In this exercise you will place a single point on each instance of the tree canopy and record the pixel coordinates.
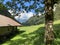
(4, 10)
(27, 5)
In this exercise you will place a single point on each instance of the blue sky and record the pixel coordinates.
(29, 3)
(6, 1)
(24, 17)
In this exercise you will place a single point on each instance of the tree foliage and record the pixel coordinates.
(2, 7)
(28, 5)
(4, 11)
(1, 1)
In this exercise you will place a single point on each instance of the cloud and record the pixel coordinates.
(24, 17)
(11, 11)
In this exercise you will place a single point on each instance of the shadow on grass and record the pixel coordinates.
(5, 38)
(40, 35)
(36, 37)
(57, 30)
(57, 34)
(39, 39)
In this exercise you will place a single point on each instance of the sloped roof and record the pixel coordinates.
(6, 21)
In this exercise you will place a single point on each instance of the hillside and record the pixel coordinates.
(57, 12)
(35, 20)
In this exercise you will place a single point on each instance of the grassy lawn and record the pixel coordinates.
(33, 35)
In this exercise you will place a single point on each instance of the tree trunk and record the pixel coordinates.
(49, 34)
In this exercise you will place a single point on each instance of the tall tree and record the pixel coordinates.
(49, 18)
(49, 35)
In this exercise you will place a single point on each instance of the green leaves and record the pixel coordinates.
(2, 7)
(1, 1)
(19, 5)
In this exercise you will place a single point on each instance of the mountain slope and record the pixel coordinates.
(57, 12)
(40, 19)
(34, 20)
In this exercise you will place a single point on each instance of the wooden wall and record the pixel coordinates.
(7, 30)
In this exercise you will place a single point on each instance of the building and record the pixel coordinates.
(7, 25)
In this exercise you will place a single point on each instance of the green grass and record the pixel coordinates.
(30, 29)
(33, 35)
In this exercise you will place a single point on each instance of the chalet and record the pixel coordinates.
(7, 25)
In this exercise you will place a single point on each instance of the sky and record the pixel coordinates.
(29, 3)
(6, 1)
(25, 16)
